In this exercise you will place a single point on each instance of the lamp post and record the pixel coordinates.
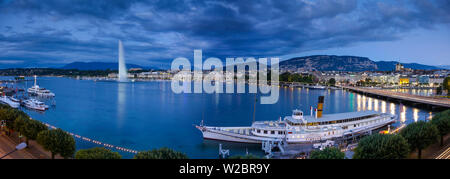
(18, 147)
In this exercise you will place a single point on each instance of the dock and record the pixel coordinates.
(433, 103)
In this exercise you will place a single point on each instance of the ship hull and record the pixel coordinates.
(217, 133)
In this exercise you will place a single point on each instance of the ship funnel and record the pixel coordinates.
(320, 106)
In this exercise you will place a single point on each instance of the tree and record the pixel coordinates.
(381, 146)
(327, 153)
(446, 83)
(97, 153)
(442, 122)
(332, 81)
(163, 153)
(19, 124)
(57, 142)
(420, 135)
(9, 115)
(32, 129)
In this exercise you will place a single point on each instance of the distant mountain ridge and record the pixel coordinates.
(344, 63)
(97, 66)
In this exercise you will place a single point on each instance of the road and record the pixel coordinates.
(442, 102)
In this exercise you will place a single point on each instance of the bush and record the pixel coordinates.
(97, 153)
(442, 122)
(57, 142)
(420, 135)
(380, 146)
(327, 153)
(163, 153)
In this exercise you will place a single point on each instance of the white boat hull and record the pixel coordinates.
(225, 134)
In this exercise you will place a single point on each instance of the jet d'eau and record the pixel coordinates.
(123, 74)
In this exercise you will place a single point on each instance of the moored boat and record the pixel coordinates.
(7, 100)
(35, 104)
(36, 90)
(298, 128)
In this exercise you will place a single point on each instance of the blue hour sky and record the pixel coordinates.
(50, 33)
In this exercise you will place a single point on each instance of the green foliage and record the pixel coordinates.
(420, 135)
(332, 81)
(446, 83)
(9, 115)
(288, 77)
(244, 157)
(20, 123)
(97, 153)
(327, 153)
(57, 142)
(380, 146)
(162, 153)
(32, 129)
(442, 122)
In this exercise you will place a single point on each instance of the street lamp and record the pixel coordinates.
(18, 147)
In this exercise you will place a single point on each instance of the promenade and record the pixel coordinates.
(416, 99)
(34, 150)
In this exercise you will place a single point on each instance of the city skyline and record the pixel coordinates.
(53, 33)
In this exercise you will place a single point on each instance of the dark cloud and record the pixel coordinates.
(157, 31)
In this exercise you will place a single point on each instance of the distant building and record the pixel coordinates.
(399, 67)
(403, 81)
(423, 79)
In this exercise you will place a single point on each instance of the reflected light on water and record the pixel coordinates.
(430, 115)
(383, 106)
(416, 114)
(364, 103)
(392, 108)
(403, 113)
(376, 104)
(369, 105)
(358, 102)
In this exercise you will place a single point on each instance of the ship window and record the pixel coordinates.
(280, 132)
(259, 131)
(265, 132)
(354, 125)
(272, 132)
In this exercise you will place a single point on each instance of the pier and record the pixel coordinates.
(433, 103)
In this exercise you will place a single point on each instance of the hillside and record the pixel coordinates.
(344, 63)
(97, 66)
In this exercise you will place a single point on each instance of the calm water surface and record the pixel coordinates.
(148, 115)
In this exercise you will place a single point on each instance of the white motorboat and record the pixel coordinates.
(7, 100)
(298, 128)
(35, 104)
(36, 90)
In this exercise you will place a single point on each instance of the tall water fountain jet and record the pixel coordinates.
(123, 76)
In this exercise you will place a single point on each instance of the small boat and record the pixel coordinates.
(35, 104)
(7, 100)
(317, 87)
(36, 90)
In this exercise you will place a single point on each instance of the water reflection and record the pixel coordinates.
(376, 104)
(392, 108)
(402, 113)
(383, 106)
(121, 103)
(415, 114)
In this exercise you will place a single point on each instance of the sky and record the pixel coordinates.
(51, 33)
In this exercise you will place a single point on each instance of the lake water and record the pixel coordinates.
(148, 115)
